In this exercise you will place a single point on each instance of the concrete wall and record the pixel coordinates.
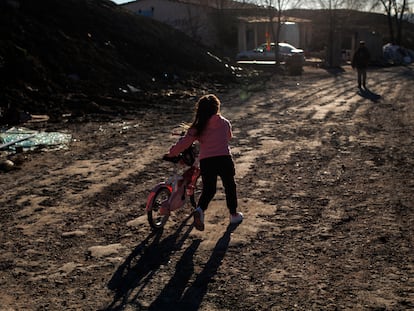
(252, 34)
(289, 32)
(188, 18)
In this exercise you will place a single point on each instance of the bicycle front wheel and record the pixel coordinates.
(155, 218)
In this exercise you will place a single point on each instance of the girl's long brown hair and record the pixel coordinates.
(206, 107)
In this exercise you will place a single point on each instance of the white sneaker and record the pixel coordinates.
(236, 218)
(199, 219)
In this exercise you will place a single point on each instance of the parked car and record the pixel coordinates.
(262, 53)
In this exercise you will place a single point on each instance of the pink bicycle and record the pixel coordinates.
(172, 194)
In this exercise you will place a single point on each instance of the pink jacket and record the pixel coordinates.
(213, 142)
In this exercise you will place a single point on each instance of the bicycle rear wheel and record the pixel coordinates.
(155, 218)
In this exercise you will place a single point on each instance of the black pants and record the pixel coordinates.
(222, 166)
(362, 76)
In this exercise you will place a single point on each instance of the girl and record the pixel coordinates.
(213, 132)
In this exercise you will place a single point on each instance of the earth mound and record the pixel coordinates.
(59, 54)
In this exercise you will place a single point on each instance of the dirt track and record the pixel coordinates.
(326, 183)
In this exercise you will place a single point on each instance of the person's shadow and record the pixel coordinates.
(368, 94)
(172, 292)
(193, 296)
(141, 265)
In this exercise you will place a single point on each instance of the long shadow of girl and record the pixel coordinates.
(192, 298)
(141, 265)
(176, 286)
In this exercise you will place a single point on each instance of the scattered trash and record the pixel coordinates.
(20, 137)
(130, 89)
(6, 165)
(133, 89)
(15, 141)
(39, 118)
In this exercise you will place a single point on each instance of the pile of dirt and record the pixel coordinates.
(54, 51)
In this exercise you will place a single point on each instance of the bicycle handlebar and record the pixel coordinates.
(188, 156)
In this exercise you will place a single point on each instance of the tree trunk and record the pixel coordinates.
(390, 27)
(399, 14)
(388, 10)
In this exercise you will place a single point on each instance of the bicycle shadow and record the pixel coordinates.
(172, 298)
(141, 265)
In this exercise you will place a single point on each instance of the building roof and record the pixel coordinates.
(223, 4)
(265, 19)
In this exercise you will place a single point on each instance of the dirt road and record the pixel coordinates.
(325, 179)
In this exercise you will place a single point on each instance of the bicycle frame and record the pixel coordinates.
(171, 194)
(180, 186)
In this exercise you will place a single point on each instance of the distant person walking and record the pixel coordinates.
(360, 61)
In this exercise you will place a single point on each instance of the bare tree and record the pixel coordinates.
(276, 19)
(342, 4)
(395, 10)
(333, 6)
